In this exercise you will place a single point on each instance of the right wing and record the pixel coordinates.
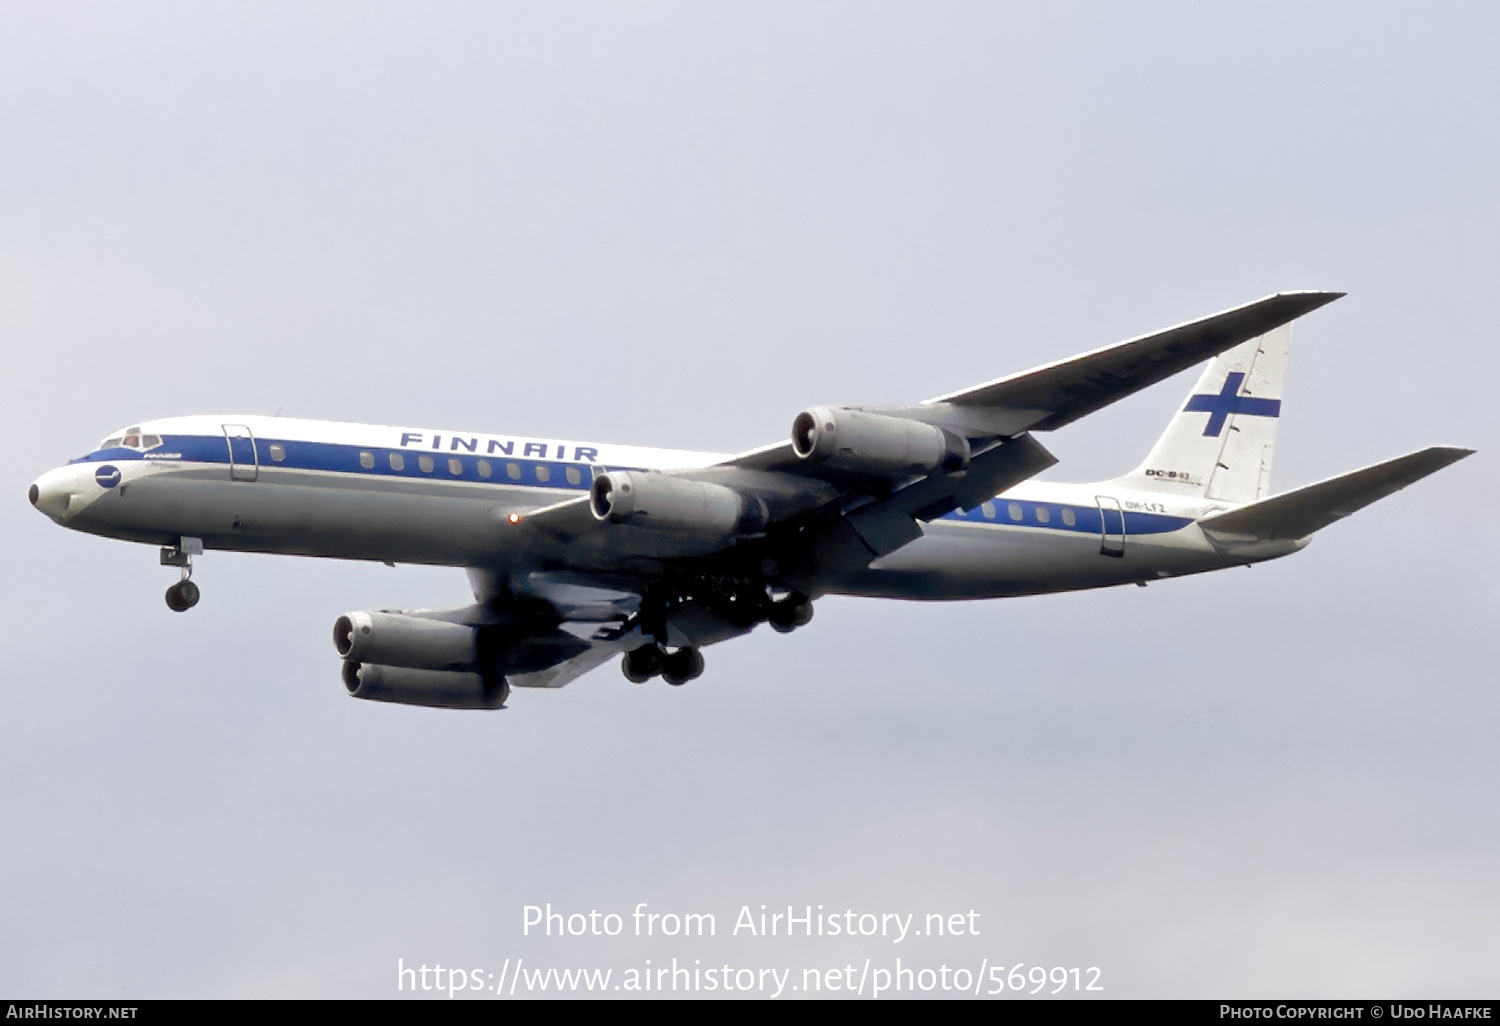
(863, 515)
(1056, 394)
(792, 520)
(1048, 397)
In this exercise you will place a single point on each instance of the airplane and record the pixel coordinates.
(578, 552)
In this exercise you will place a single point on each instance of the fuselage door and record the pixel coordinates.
(244, 461)
(1112, 526)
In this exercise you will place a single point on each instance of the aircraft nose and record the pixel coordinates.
(48, 495)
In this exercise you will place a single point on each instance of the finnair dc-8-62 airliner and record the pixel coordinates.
(578, 552)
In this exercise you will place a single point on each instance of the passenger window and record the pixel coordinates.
(398, 461)
(542, 473)
(513, 471)
(278, 453)
(1042, 515)
(989, 510)
(425, 462)
(455, 466)
(1014, 509)
(485, 470)
(574, 477)
(367, 460)
(1069, 517)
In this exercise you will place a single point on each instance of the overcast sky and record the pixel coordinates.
(677, 225)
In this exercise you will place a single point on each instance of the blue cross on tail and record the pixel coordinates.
(1228, 401)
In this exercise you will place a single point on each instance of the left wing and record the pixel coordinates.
(600, 651)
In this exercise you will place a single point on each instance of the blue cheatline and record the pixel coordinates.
(339, 458)
(1086, 519)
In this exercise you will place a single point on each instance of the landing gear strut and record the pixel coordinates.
(183, 595)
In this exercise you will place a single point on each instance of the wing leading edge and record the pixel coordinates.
(1056, 394)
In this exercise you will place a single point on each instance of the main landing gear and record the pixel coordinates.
(183, 595)
(738, 610)
(676, 668)
(796, 610)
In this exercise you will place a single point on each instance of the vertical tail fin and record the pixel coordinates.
(1219, 445)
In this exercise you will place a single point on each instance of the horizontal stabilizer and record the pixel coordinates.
(1297, 514)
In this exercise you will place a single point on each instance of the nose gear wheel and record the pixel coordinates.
(183, 595)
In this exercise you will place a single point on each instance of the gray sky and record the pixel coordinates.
(677, 225)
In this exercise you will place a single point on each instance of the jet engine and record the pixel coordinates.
(875, 444)
(395, 639)
(435, 658)
(674, 504)
(441, 689)
(411, 660)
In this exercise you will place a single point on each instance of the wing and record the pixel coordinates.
(1057, 394)
(706, 553)
(985, 429)
(602, 647)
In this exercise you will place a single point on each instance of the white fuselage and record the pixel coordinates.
(353, 491)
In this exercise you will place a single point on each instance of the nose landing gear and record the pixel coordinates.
(183, 595)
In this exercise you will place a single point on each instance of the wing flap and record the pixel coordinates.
(562, 673)
(882, 527)
(1299, 513)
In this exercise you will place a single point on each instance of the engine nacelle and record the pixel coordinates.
(672, 503)
(437, 689)
(395, 639)
(872, 443)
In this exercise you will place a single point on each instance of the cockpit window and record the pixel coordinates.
(131, 438)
